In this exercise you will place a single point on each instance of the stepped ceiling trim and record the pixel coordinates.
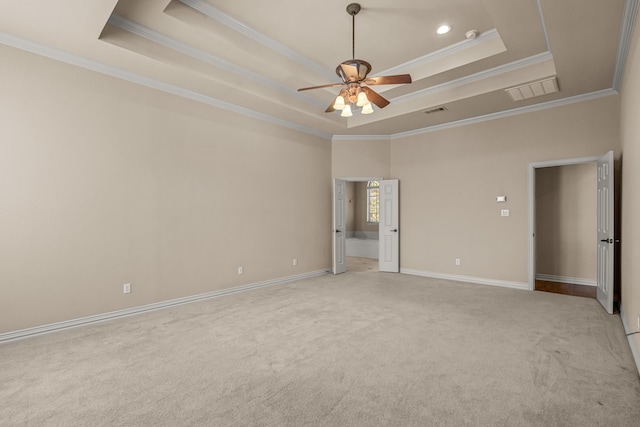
(214, 13)
(113, 71)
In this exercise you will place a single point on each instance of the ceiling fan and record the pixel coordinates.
(353, 73)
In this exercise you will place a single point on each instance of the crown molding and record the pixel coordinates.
(508, 113)
(624, 41)
(442, 53)
(110, 70)
(484, 118)
(531, 68)
(482, 75)
(216, 14)
(171, 43)
(360, 137)
(113, 71)
(544, 25)
(225, 19)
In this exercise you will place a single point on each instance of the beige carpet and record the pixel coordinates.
(358, 349)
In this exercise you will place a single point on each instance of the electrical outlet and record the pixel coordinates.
(457, 261)
(295, 261)
(126, 288)
(240, 270)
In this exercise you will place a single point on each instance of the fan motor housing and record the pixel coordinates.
(363, 68)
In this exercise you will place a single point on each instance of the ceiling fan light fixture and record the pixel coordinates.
(353, 73)
(346, 111)
(367, 108)
(362, 99)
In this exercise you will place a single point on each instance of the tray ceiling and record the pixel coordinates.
(251, 57)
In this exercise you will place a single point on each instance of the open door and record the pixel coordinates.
(605, 231)
(339, 232)
(389, 256)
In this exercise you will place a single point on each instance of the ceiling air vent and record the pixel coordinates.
(534, 89)
(436, 110)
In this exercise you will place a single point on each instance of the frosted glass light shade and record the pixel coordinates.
(339, 103)
(362, 99)
(367, 108)
(346, 112)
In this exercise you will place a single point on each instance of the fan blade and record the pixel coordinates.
(349, 73)
(375, 97)
(330, 108)
(320, 87)
(389, 80)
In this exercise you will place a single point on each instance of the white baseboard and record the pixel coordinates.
(632, 343)
(565, 279)
(468, 279)
(73, 323)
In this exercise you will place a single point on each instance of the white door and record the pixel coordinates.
(339, 238)
(605, 231)
(389, 256)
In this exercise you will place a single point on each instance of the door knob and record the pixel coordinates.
(607, 240)
(395, 230)
(338, 231)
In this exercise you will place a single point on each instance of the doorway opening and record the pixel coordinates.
(362, 221)
(566, 229)
(603, 235)
(378, 235)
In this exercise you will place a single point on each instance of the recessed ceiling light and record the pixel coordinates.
(443, 29)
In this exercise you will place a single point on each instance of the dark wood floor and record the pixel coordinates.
(566, 289)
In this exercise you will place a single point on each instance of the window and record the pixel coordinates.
(373, 202)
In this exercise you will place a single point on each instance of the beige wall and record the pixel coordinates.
(104, 182)
(360, 158)
(630, 228)
(449, 181)
(566, 221)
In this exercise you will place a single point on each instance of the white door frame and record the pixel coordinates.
(362, 178)
(532, 205)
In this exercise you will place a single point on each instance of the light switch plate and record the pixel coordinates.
(501, 199)
(504, 212)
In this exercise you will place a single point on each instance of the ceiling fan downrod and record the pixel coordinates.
(353, 73)
(353, 10)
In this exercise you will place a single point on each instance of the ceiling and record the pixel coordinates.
(251, 57)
